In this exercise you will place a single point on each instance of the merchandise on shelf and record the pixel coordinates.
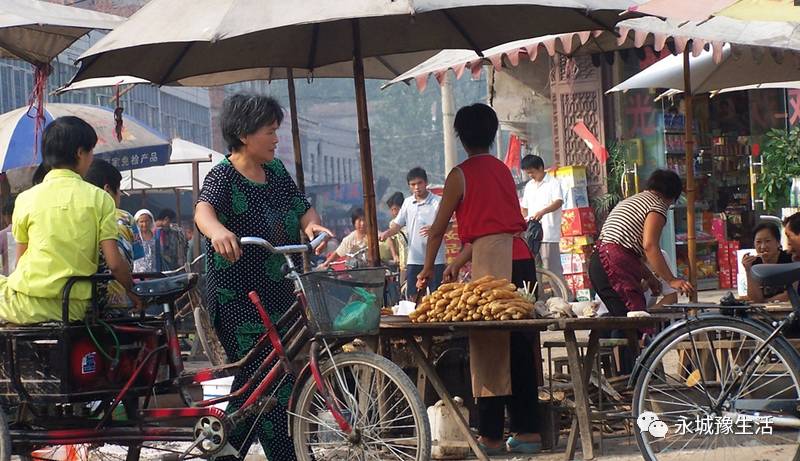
(578, 221)
(576, 197)
(707, 268)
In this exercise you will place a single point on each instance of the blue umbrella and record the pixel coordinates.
(141, 146)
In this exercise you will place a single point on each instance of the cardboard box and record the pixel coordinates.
(576, 197)
(578, 244)
(719, 228)
(572, 176)
(572, 263)
(741, 276)
(584, 295)
(578, 221)
(577, 282)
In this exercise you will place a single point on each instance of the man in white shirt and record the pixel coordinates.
(417, 215)
(542, 201)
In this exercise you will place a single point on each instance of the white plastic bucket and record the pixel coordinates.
(217, 388)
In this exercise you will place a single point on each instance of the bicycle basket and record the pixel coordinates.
(345, 303)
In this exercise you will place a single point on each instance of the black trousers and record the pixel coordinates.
(523, 403)
(616, 307)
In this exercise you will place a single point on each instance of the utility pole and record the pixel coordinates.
(448, 117)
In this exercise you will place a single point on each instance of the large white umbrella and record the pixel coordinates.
(170, 40)
(38, 31)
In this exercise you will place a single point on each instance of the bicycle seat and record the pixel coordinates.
(777, 274)
(165, 290)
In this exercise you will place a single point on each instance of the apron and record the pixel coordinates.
(489, 351)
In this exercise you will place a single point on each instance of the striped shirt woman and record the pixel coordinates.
(631, 235)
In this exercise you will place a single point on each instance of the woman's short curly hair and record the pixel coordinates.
(244, 114)
(666, 183)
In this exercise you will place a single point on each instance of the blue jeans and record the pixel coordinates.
(413, 270)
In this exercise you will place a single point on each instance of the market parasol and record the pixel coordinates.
(164, 44)
(740, 66)
(141, 146)
(37, 31)
(747, 10)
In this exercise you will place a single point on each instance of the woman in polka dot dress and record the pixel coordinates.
(250, 193)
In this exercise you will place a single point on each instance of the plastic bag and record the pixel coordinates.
(360, 314)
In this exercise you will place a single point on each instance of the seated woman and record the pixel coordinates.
(59, 225)
(354, 241)
(106, 176)
(767, 243)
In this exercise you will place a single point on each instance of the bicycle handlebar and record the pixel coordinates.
(286, 249)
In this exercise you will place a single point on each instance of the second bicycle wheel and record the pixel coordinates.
(379, 401)
(703, 394)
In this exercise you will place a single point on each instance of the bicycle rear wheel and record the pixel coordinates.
(683, 383)
(388, 417)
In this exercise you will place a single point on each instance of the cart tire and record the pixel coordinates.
(557, 283)
(5, 439)
(208, 337)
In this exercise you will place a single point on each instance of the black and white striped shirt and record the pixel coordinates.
(625, 224)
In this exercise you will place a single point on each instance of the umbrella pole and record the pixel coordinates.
(298, 150)
(365, 149)
(298, 158)
(691, 237)
(195, 196)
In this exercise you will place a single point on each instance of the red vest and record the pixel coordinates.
(490, 204)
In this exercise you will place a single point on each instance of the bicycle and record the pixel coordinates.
(344, 405)
(711, 372)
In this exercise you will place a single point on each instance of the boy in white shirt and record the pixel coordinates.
(542, 201)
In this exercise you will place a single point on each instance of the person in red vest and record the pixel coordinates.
(482, 194)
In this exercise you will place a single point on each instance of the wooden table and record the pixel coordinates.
(581, 424)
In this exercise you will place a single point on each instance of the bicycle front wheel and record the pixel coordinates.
(380, 402)
(710, 391)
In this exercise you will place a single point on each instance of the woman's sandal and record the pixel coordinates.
(528, 448)
(492, 451)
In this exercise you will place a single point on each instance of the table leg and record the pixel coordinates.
(424, 363)
(582, 404)
(422, 382)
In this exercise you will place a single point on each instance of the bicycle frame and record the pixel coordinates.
(279, 359)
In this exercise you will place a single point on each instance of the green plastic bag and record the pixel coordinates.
(360, 314)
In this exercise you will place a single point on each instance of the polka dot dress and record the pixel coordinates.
(271, 211)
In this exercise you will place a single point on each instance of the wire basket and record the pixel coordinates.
(345, 303)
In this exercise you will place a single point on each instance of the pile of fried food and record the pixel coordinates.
(487, 298)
